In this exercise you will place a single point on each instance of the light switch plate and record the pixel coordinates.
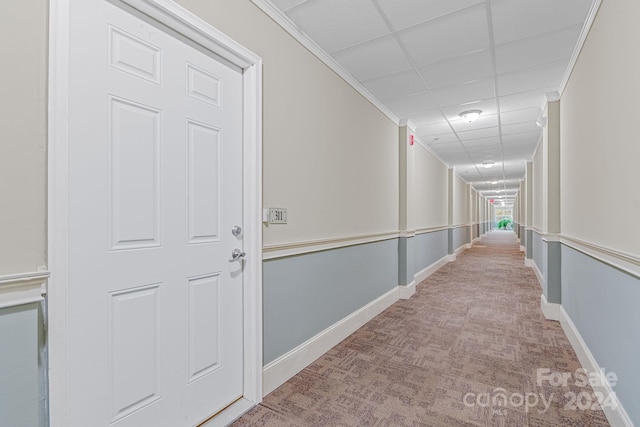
(277, 215)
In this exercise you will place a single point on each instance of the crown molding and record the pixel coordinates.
(595, 6)
(408, 123)
(290, 27)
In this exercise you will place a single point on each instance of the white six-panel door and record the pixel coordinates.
(155, 188)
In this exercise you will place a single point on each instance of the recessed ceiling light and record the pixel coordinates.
(494, 182)
(470, 115)
(488, 164)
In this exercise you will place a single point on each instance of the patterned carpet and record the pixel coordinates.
(463, 351)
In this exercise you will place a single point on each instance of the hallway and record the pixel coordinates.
(471, 336)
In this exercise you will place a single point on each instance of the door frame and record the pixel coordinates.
(178, 19)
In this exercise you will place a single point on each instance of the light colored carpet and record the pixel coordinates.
(463, 351)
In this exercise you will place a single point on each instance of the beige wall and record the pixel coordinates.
(473, 199)
(23, 46)
(599, 133)
(522, 203)
(430, 190)
(551, 176)
(330, 157)
(537, 190)
(460, 201)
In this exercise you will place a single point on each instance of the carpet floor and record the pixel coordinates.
(469, 348)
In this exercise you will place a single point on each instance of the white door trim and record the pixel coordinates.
(184, 22)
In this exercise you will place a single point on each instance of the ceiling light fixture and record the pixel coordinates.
(488, 164)
(494, 182)
(470, 115)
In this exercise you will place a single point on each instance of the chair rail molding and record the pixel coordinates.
(23, 288)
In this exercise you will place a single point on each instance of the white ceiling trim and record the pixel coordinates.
(290, 27)
(581, 40)
(408, 123)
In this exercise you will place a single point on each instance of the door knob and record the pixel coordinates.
(237, 254)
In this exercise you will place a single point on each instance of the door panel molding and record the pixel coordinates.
(198, 31)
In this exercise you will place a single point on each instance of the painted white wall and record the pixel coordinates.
(599, 137)
(460, 201)
(537, 190)
(430, 190)
(23, 47)
(330, 157)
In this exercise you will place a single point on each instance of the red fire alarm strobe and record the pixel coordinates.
(410, 139)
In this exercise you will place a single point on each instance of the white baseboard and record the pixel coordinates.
(529, 262)
(538, 274)
(423, 274)
(550, 310)
(451, 257)
(405, 291)
(477, 239)
(616, 415)
(286, 366)
(523, 249)
(462, 248)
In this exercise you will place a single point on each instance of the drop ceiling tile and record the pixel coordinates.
(516, 19)
(396, 86)
(405, 13)
(481, 144)
(465, 168)
(520, 116)
(444, 138)
(284, 5)
(412, 104)
(452, 35)
(479, 155)
(487, 106)
(491, 132)
(522, 100)
(456, 95)
(548, 76)
(457, 158)
(426, 117)
(537, 51)
(433, 129)
(519, 128)
(517, 148)
(515, 169)
(515, 155)
(467, 175)
(373, 59)
(519, 138)
(490, 173)
(338, 24)
(458, 70)
(449, 151)
(484, 121)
